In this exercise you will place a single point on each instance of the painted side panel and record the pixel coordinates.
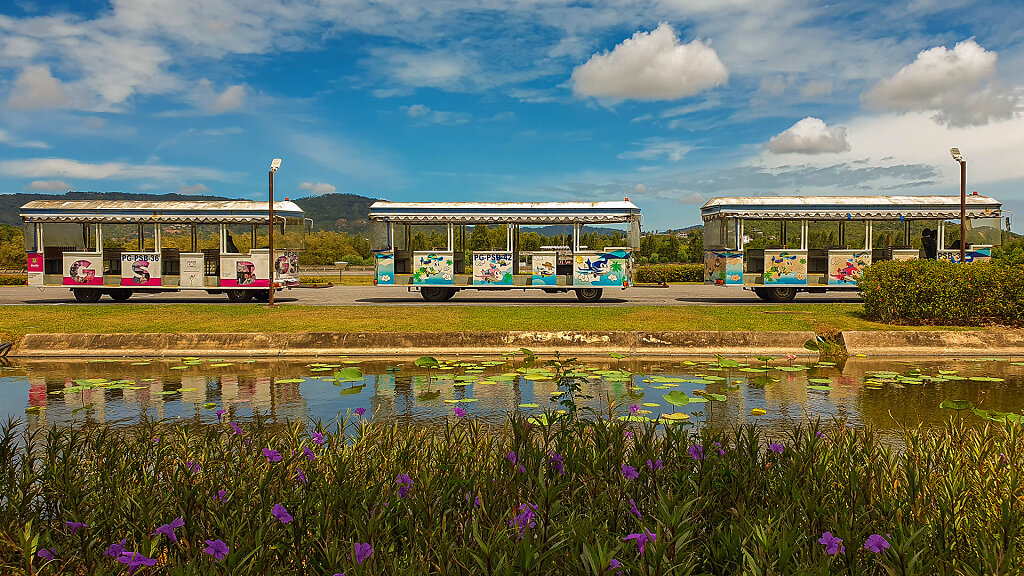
(35, 269)
(845, 266)
(140, 269)
(244, 271)
(492, 268)
(602, 268)
(384, 263)
(973, 255)
(785, 267)
(83, 269)
(724, 267)
(544, 267)
(433, 268)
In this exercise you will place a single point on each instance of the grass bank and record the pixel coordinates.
(594, 497)
(142, 318)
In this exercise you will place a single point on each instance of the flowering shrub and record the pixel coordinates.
(572, 497)
(933, 292)
(669, 273)
(13, 280)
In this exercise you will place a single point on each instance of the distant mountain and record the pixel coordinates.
(340, 212)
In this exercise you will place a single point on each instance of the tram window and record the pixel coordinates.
(981, 231)
(720, 233)
(917, 227)
(855, 234)
(148, 237)
(428, 237)
(176, 237)
(488, 238)
(400, 235)
(823, 235)
(292, 234)
(30, 237)
(379, 235)
(208, 237)
(121, 237)
(762, 234)
(534, 238)
(887, 233)
(596, 237)
(792, 234)
(238, 239)
(72, 236)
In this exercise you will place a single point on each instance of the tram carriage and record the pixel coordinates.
(437, 272)
(780, 245)
(120, 248)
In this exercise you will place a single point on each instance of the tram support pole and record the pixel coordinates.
(274, 165)
(963, 202)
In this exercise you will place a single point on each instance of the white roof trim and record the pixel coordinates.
(850, 207)
(521, 212)
(238, 211)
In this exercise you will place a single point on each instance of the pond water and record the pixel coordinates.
(883, 393)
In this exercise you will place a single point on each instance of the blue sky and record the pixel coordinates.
(668, 102)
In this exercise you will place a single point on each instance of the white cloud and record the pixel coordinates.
(774, 85)
(651, 66)
(67, 168)
(318, 188)
(425, 115)
(958, 85)
(436, 69)
(36, 88)
(655, 148)
(809, 136)
(49, 186)
(6, 138)
(816, 88)
(417, 110)
(232, 98)
(194, 189)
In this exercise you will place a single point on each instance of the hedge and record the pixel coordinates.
(933, 292)
(659, 273)
(13, 280)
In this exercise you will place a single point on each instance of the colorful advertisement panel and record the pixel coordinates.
(785, 267)
(286, 266)
(433, 268)
(35, 269)
(385, 266)
(245, 271)
(544, 268)
(140, 269)
(601, 268)
(973, 255)
(723, 267)
(845, 266)
(81, 269)
(492, 268)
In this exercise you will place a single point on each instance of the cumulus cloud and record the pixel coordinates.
(49, 186)
(231, 98)
(194, 189)
(318, 188)
(958, 85)
(651, 66)
(655, 148)
(809, 136)
(437, 69)
(36, 88)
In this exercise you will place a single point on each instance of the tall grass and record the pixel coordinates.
(519, 498)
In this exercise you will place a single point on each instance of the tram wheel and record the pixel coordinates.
(120, 295)
(239, 295)
(87, 295)
(781, 294)
(261, 295)
(589, 294)
(436, 293)
(761, 293)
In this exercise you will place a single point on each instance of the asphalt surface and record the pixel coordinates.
(679, 295)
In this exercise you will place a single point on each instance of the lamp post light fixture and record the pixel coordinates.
(274, 165)
(955, 152)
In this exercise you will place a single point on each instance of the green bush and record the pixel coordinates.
(669, 273)
(13, 280)
(933, 292)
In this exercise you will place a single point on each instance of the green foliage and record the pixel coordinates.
(12, 247)
(13, 280)
(669, 273)
(325, 247)
(947, 503)
(668, 248)
(934, 292)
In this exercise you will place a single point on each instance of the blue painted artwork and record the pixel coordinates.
(601, 268)
(385, 265)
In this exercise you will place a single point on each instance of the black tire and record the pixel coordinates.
(436, 293)
(87, 295)
(261, 296)
(761, 293)
(589, 294)
(239, 295)
(781, 294)
(120, 295)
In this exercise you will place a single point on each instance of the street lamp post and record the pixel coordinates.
(955, 152)
(274, 165)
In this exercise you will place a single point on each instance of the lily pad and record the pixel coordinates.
(290, 381)
(956, 405)
(819, 381)
(530, 405)
(822, 388)
(758, 412)
(676, 398)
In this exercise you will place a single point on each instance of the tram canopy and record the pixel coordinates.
(849, 207)
(505, 212)
(206, 211)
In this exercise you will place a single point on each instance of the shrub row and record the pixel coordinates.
(933, 292)
(669, 273)
(13, 280)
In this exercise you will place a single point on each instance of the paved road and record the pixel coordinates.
(684, 295)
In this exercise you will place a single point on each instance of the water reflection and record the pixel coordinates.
(121, 392)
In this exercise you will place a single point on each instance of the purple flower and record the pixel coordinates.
(629, 472)
(75, 526)
(634, 408)
(525, 519)
(301, 477)
(459, 412)
(633, 509)
(318, 438)
(309, 453)
(193, 466)
(360, 411)
(222, 496)
(116, 549)
(272, 455)
(613, 564)
(511, 457)
(47, 554)
(832, 544)
(404, 484)
(628, 434)
(168, 529)
(718, 448)
(281, 514)
(220, 413)
(656, 465)
(696, 452)
(642, 539)
(819, 434)
(556, 461)
(876, 543)
(217, 548)
(134, 560)
(363, 551)
(238, 430)
(776, 447)
(156, 439)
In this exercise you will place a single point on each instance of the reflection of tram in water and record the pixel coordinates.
(437, 272)
(120, 248)
(780, 245)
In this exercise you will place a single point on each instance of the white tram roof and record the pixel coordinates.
(231, 211)
(850, 207)
(515, 212)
